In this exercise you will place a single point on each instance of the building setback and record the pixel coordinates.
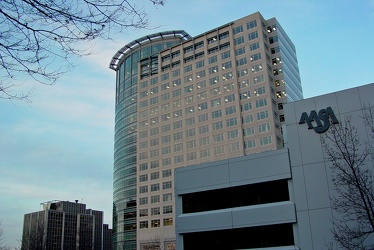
(280, 199)
(183, 100)
(65, 225)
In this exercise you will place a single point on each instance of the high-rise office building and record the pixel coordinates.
(184, 100)
(65, 225)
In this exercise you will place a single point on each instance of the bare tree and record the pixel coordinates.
(39, 37)
(2, 238)
(34, 239)
(352, 169)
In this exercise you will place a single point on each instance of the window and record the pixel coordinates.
(262, 115)
(190, 132)
(143, 189)
(216, 114)
(225, 55)
(230, 110)
(165, 128)
(250, 144)
(187, 68)
(241, 61)
(155, 187)
(165, 77)
(201, 95)
(247, 119)
(155, 199)
(249, 131)
(212, 39)
(214, 80)
(143, 144)
(260, 91)
(212, 59)
(255, 57)
(230, 98)
(228, 87)
(200, 85)
(188, 49)
(143, 201)
(253, 35)
(232, 134)
(189, 110)
(200, 74)
(233, 147)
(213, 69)
(166, 150)
(239, 40)
(216, 102)
(154, 142)
(166, 173)
(199, 45)
(204, 153)
(215, 91)
(251, 24)
(143, 177)
(143, 212)
(254, 46)
(223, 35)
(143, 166)
(240, 51)
(177, 113)
(143, 224)
(246, 106)
(191, 156)
(227, 65)
(190, 121)
(188, 89)
(219, 150)
(178, 147)
(203, 117)
(167, 197)
(265, 140)
(274, 50)
(199, 64)
(178, 159)
(155, 176)
(177, 82)
(203, 129)
(155, 211)
(218, 137)
(244, 83)
(189, 99)
(258, 79)
(168, 222)
(245, 95)
(178, 136)
(264, 128)
(177, 124)
(242, 72)
(231, 122)
(217, 125)
(155, 223)
(176, 72)
(204, 141)
(166, 161)
(154, 153)
(202, 106)
(261, 103)
(238, 29)
(166, 185)
(167, 209)
(257, 68)
(154, 164)
(154, 100)
(277, 72)
(273, 39)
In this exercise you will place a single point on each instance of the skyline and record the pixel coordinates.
(72, 123)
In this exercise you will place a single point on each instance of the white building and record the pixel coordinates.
(278, 199)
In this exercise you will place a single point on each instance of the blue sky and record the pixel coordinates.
(61, 145)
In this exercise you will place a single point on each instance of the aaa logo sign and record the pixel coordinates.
(322, 119)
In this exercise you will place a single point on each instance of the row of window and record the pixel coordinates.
(156, 198)
(156, 223)
(144, 212)
(263, 142)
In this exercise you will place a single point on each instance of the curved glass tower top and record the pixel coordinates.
(126, 64)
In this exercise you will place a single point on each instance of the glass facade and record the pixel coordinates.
(126, 64)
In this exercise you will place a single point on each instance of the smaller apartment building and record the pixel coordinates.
(276, 199)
